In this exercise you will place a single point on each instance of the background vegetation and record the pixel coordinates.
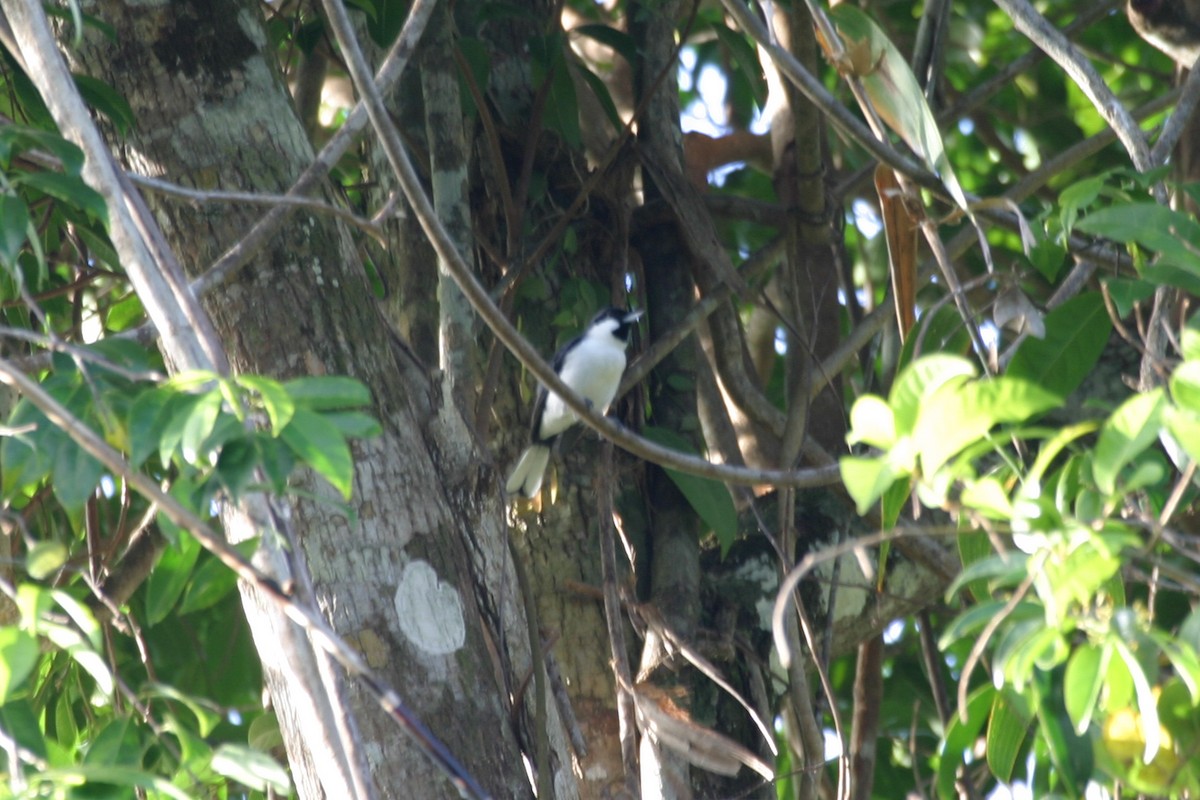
(905, 496)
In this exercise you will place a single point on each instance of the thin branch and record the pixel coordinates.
(370, 227)
(1188, 98)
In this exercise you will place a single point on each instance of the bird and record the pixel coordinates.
(592, 364)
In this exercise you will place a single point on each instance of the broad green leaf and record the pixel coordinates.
(1003, 570)
(68, 189)
(207, 713)
(117, 743)
(1190, 339)
(76, 475)
(1184, 426)
(987, 495)
(328, 392)
(20, 722)
(354, 424)
(1131, 429)
(1185, 386)
(1147, 703)
(103, 98)
(896, 94)
(1127, 292)
(144, 423)
(872, 422)
(211, 582)
(175, 416)
(320, 445)
(170, 577)
(250, 767)
(745, 58)
(45, 558)
(960, 740)
(609, 36)
(1076, 333)
(919, 380)
(1007, 728)
(956, 416)
(19, 653)
(1070, 752)
(1154, 227)
(14, 226)
(866, 479)
(236, 465)
(710, 499)
(19, 138)
(276, 401)
(97, 777)
(198, 425)
(603, 96)
(1083, 681)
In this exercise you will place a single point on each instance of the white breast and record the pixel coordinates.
(594, 371)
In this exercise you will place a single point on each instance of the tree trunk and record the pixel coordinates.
(404, 572)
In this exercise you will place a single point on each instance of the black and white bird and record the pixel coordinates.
(592, 364)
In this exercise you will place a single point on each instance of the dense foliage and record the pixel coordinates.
(1043, 411)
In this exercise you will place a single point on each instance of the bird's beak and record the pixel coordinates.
(633, 316)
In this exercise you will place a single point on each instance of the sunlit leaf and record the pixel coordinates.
(1131, 429)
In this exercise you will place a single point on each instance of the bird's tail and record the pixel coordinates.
(526, 476)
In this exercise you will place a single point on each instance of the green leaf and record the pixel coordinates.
(609, 36)
(1147, 703)
(68, 189)
(103, 98)
(199, 424)
(1128, 292)
(145, 420)
(603, 96)
(14, 227)
(746, 59)
(76, 475)
(20, 722)
(956, 416)
(276, 401)
(45, 558)
(1007, 728)
(1131, 429)
(1083, 681)
(19, 138)
(354, 424)
(1190, 339)
(919, 380)
(1158, 228)
(213, 580)
(328, 392)
(169, 578)
(960, 740)
(866, 479)
(19, 653)
(872, 422)
(320, 445)
(896, 94)
(1185, 385)
(1076, 333)
(710, 499)
(250, 767)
